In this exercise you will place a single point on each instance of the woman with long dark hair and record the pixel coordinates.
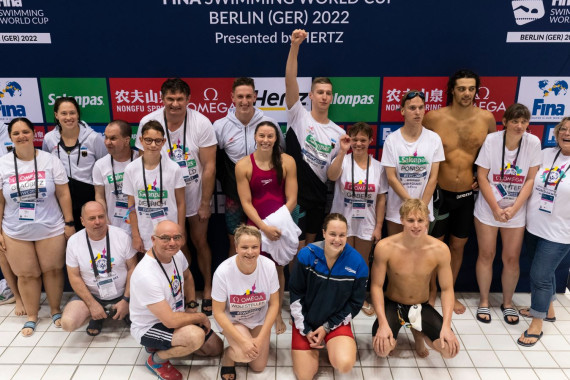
(267, 180)
(78, 147)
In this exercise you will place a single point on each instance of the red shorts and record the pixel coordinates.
(300, 342)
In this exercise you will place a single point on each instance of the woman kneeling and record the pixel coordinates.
(245, 293)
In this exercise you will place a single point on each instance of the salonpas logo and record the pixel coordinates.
(324, 148)
(355, 99)
(90, 94)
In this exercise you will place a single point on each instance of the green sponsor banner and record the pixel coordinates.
(355, 99)
(90, 93)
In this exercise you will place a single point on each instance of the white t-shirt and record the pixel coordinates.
(246, 295)
(319, 142)
(46, 219)
(117, 205)
(361, 216)
(77, 255)
(490, 157)
(133, 184)
(199, 134)
(149, 286)
(6, 145)
(413, 161)
(552, 226)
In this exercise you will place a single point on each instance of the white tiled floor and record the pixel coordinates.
(487, 352)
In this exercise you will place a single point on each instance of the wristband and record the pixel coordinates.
(128, 299)
(71, 223)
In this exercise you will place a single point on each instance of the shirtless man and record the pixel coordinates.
(462, 128)
(408, 260)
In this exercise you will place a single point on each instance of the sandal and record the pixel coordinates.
(368, 310)
(510, 312)
(483, 311)
(56, 317)
(526, 313)
(229, 370)
(29, 325)
(527, 335)
(207, 302)
(94, 324)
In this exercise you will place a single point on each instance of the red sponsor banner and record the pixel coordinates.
(133, 98)
(496, 94)
(537, 130)
(393, 88)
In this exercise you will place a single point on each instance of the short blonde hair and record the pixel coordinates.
(413, 205)
(558, 126)
(246, 230)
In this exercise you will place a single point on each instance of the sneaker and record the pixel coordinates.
(6, 295)
(164, 371)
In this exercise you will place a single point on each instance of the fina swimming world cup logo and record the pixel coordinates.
(526, 11)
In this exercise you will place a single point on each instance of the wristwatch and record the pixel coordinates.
(71, 223)
(192, 304)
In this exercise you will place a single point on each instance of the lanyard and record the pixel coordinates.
(144, 181)
(503, 159)
(366, 183)
(168, 133)
(113, 170)
(35, 174)
(166, 275)
(550, 171)
(93, 264)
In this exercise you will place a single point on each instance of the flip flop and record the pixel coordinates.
(207, 302)
(29, 325)
(368, 310)
(527, 310)
(94, 324)
(54, 318)
(510, 312)
(484, 311)
(229, 370)
(527, 335)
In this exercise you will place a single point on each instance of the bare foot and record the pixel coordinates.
(421, 348)
(280, 327)
(19, 310)
(458, 308)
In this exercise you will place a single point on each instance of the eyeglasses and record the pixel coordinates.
(167, 238)
(149, 141)
(413, 94)
(563, 130)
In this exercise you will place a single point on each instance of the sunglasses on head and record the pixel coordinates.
(413, 94)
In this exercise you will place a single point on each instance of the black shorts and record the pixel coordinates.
(453, 213)
(160, 337)
(310, 220)
(432, 321)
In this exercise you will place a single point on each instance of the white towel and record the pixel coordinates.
(284, 249)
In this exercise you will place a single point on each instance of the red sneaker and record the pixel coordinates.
(164, 371)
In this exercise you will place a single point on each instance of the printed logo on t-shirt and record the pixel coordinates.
(175, 281)
(511, 174)
(554, 176)
(27, 182)
(153, 198)
(101, 261)
(247, 304)
(413, 166)
(359, 189)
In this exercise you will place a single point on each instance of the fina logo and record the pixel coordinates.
(526, 11)
(12, 89)
(559, 88)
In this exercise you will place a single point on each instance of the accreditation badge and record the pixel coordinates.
(27, 211)
(358, 210)
(546, 203)
(107, 287)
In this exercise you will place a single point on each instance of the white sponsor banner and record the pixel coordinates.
(20, 97)
(271, 96)
(546, 97)
(25, 38)
(538, 37)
